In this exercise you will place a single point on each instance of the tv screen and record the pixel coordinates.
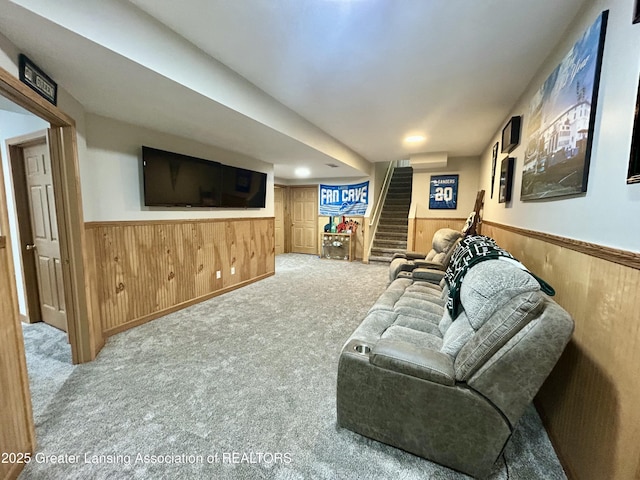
(243, 188)
(176, 180)
(172, 179)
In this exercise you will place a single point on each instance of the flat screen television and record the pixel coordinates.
(176, 180)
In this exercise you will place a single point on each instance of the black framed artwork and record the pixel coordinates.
(561, 121)
(506, 180)
(511, 134)
(494, 161)
(633, 175)
(636, 12)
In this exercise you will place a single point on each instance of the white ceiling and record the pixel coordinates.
(366, 72)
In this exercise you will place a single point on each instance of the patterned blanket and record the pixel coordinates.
(470, 251)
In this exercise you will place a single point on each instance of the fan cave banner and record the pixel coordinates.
(344, 199)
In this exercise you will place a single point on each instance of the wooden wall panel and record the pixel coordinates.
(93, 306)
(17, 433)
(425, 228)
(148, 269)
(590, 401)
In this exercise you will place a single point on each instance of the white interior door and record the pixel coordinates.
(44, 225)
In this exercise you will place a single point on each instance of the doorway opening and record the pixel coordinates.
(34, 239)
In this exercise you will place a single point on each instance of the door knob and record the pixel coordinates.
(30, 246)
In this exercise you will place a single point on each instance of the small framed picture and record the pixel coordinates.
(494, 161)
(506, 180)
(636, 12)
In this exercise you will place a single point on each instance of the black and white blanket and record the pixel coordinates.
(470, 251)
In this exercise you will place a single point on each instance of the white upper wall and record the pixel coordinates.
(608, 213)
(109, 170)
(112, 173)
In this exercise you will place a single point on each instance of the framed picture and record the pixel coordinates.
(633, 176)
(561, 119)
(511, 135)
(636, 12)
(443, 192)
(31, 75)
(506, 180)
(494, 161)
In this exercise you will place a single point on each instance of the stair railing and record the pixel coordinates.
(377, 211)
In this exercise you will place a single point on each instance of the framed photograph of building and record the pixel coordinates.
(561, 119)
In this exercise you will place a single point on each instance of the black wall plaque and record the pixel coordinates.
(37, 80)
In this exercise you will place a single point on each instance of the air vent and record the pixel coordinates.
(332, 165)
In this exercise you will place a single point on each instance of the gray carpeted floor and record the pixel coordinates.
(244, 383)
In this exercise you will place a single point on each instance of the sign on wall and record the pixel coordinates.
(31, 75)
(443, 192)
(344, 199)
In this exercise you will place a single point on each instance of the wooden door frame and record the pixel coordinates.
(15, 148)
(85, 340)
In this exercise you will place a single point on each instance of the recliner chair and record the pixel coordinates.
(437, 260)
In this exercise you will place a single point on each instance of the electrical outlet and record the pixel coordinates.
(218, 274)
(233, 270)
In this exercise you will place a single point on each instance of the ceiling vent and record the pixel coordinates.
(332, 165)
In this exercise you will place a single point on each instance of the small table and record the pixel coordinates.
(338, 246)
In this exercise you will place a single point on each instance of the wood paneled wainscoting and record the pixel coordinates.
(424, 229)
(146, 269)
(589, 404)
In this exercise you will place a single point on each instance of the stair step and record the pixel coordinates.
(394, 235)
(377, 259)
(396, 246)
(382, 242)
(380, 251)
(403, 229)
(398, 194)
(393, 220)
(395, 212)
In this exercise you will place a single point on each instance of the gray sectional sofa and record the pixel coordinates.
(450, 390)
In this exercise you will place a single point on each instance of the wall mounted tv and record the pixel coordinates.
(176, 180)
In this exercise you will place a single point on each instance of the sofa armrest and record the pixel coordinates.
(409, 255)
(428, 275)
(427, 264)
(403, 357)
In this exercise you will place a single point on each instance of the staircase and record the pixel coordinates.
(391, 235)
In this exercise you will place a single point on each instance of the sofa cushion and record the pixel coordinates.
(417, 306)
(427, 324)
(414, 337)
(497, 330)
(457, 335)
(489, 285)
(445, 322)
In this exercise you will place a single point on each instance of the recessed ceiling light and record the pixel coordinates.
(414, 139)
(302, 172)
